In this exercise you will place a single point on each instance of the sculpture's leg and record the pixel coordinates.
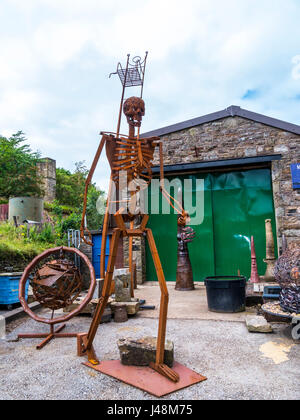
(159, 365)
(85, 342)
(131, 262)
(104, 232)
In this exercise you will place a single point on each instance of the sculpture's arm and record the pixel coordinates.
(177, 206)
(87, 183)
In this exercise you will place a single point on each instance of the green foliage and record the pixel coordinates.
(18, 176)
(17, 242)
(70, 186)
(52, 207)
(18, 168)
(47, 235)
(70, 189)
(95, 199)
(70, 222)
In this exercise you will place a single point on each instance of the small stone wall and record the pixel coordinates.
(85, 272)
(138, 256)
(47, 169)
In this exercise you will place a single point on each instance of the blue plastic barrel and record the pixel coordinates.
(96, 252)
(9, 288)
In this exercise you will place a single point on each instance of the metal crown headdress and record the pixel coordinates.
(132, 75)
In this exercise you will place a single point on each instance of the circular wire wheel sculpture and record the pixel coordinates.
(56, 284)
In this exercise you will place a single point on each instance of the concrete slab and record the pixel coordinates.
(183, 305)
(19, 312)
(2, 327)
(238, 365)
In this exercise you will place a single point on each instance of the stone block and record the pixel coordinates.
(86, 310)
(250, 152)
(140, 352)
(30, 297)
(121, 271)
(281, 148)
(258, 324)
(98, 288)
(131, 307)
(107, 314)
(122, 285)
(89, 309)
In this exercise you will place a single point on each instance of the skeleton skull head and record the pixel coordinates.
(134, 109)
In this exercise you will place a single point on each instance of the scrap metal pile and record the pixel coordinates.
(57, 284)
(287, 274)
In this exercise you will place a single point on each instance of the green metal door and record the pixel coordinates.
(164, 228)
(202, 255)
(241, 202)
(236, 205)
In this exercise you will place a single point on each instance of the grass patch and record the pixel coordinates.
(52, 207)
(17, 249)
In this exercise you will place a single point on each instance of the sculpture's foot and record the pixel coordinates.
(82, 351)
(165, 371)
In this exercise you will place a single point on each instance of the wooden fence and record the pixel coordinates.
(3, 212)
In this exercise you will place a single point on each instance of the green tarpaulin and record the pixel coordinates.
(233, 206)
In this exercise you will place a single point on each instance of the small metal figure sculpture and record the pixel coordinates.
(56, 285)
(132, 155)
(287, 274)
(184, 273)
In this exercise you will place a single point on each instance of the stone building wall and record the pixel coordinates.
(237, 137)
(85, 272)
(47, 169)
(138, 257)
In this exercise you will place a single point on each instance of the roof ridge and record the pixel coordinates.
(231, 111)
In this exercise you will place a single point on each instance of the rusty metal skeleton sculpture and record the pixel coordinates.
(134, 156)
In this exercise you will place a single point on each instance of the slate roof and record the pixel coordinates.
(231, 111)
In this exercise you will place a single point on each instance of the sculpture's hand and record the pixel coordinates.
(187, 234)
(183, 218)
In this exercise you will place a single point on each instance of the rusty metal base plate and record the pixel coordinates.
(148, 379)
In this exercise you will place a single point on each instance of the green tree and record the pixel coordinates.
(18, 168)
(70, 188)
(94, 198)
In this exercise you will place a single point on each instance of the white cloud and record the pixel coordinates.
(203, 56)
(57, 43)
(296, 67)
(17, 60)
(17, 105)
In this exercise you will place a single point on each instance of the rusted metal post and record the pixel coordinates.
(254, 278)
(270, 254)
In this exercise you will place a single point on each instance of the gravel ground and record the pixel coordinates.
(225, 352)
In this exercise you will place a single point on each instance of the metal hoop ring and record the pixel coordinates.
(33, 263)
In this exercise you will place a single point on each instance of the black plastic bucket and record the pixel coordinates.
(226, 293)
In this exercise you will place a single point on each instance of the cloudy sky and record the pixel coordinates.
(204, 55)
